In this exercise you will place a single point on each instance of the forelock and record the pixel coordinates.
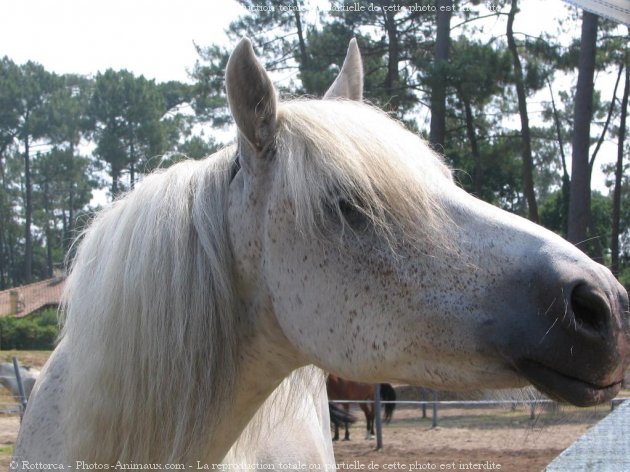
(344, 149)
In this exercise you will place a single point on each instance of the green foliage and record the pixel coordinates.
(127, 114)
(35, 332)
(477, 71)
(175, 93)
(599, 234)
(274, 34)
(500, 166)
(624, 277)
(554, 216)
(134, 124)
(198, 148)
(26, 94)
(10, 77)
(131, 120)
(194, 148)
(326, 52)
(210, 103)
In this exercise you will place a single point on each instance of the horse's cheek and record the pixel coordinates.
(289, 281)
(313, 291)
(245, 226)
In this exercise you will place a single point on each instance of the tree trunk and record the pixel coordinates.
(65, 232)
(28, 209)
(5, 216)
(115, 180)
(472, 137)
(48, 231)
(580, 195)
(391, 79)
(616, 216)
(301, 40)
(611, 108)
(3, 269)
(69, 222)
(49, 252)
(528, 161)
(566, 180)
(132, 175)
(437, 134)
(13, 274)
(132, 162)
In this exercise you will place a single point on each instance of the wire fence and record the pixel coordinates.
(535, 406)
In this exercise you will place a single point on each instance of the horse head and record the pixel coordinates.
(356, 251)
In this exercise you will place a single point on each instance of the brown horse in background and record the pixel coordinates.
(342, 389)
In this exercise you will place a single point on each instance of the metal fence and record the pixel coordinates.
(435, 405)
(18, 392)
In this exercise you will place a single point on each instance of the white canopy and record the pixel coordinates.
(616, 10)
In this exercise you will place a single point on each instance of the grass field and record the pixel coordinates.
(35, 359)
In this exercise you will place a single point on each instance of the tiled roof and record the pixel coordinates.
(32, 297)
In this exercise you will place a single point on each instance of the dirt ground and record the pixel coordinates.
(466, 439)
(9, 426)
(488, 438)
(480, 439)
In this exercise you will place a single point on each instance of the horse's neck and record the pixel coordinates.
(248, 398)
(265, 360)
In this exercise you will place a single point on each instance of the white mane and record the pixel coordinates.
(148, 310)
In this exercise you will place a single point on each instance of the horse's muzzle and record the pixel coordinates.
(577, 347)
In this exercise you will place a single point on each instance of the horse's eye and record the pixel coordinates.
(353, 215)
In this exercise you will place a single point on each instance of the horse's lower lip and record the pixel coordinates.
(564, 387)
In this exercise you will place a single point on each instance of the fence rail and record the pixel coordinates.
(436, 404)
(614, 401)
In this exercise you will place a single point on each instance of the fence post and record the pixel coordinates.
(434, 421)
(18, 378)
(423, 397)
(378, 425)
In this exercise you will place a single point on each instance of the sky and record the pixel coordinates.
(156, 38)
(152, 37)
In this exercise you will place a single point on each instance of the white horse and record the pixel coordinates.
(330, 235)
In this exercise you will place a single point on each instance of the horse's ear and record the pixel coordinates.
(251, 96)
(349, 82)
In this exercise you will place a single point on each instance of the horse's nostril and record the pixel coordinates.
(590, 310)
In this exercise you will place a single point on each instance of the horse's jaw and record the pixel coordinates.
(567, 388)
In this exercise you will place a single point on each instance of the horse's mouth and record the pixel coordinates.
(563, 387)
